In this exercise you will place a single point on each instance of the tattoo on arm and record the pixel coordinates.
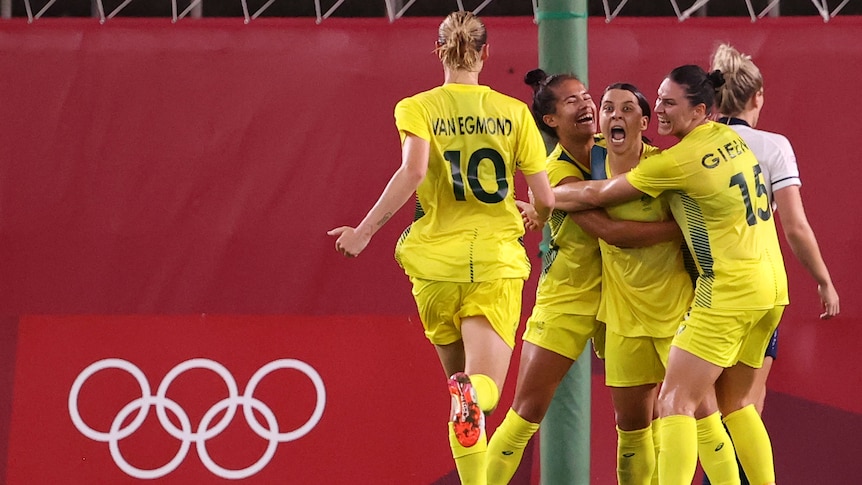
(383, 219)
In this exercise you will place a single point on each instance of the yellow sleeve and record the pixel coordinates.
(410, 118)
(531, 153)
(656, 174)
(559, 170)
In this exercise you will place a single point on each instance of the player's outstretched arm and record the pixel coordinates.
(404, 182)
(594, 193)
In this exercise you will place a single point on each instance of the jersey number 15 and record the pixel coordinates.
(739, 180)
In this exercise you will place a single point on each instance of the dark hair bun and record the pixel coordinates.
(716, 77)
(535, 78)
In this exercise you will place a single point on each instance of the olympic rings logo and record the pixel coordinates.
(205, 430)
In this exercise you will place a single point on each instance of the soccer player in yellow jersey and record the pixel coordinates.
(646, 291)
(461, 145)
(718, 199)
(567, 299)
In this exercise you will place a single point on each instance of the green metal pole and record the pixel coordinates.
(565, 432)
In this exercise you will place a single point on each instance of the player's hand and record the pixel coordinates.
(349, 242)
(829, 300)
(530, 216)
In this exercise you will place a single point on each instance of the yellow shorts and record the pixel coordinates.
(562, 333)
(599, 340)
(760, 337)
(725, 337)
(635, 361)
(443, 304)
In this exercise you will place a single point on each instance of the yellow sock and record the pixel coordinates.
(487, 392)
(656, 443)
(677, 459)
(715, 451)
(506, 447)
(752, 444)
(635, 457)
(470, 462)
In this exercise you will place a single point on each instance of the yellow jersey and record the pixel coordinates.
(571, 278)
(467, 227)
(718, 198)
(646, 291)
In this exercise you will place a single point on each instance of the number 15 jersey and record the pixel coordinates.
(719, 200)
(467, 227)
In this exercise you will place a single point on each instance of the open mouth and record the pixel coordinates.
(618, 134)
(587, 118)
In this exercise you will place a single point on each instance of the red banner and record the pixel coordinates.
(204, 399)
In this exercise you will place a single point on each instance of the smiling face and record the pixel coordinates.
(622, 121)
(676, 116)
(575, 111)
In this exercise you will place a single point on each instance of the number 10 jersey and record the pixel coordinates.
(467, 227)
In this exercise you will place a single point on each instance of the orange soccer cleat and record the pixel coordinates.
(468, 420)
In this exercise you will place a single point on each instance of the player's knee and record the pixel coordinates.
(674, 403)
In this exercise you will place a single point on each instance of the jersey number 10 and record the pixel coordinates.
(454, 159)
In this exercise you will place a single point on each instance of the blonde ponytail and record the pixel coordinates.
(742, 79)
(460, 40)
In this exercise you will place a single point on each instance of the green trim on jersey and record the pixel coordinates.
(700, 250)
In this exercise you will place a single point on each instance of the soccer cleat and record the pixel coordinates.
(467, 418)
